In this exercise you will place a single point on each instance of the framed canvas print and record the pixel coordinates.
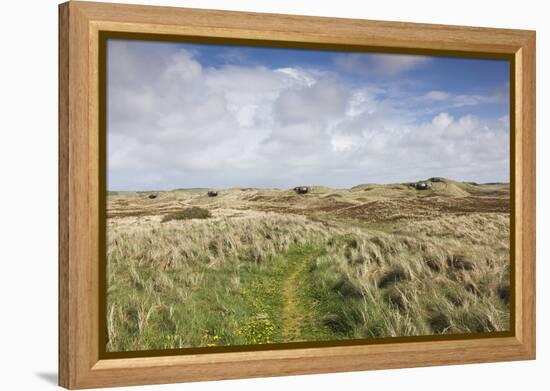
(249, 195)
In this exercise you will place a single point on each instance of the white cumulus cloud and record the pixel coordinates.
(174, 122)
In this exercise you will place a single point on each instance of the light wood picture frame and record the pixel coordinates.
(82, 29)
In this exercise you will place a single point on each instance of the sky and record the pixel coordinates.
(183, 115)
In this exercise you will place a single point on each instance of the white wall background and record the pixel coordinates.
(28, 194)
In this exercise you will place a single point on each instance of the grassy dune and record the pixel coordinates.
(268, 266)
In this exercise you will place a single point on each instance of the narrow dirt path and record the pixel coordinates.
(297, 313)
(285, 309)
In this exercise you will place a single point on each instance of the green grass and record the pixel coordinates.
(239, 304)
(272, 278)
(162, 312)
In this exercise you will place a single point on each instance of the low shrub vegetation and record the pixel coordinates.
(193, 212)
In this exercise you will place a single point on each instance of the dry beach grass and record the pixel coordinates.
(264, 266)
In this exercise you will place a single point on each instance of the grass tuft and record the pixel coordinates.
(392, 277)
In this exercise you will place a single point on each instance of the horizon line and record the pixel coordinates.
(306, 185)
